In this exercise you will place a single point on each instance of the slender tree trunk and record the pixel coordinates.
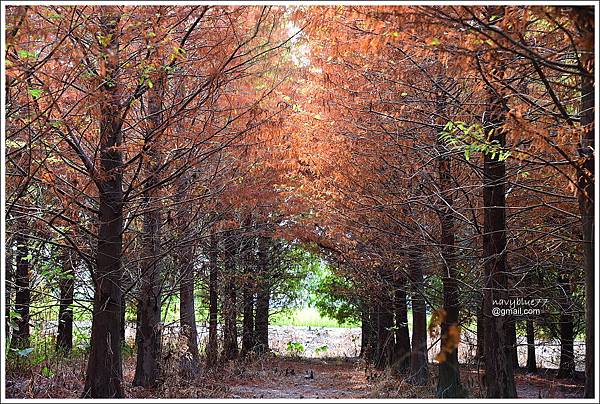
(147, 369)
(187, 313)
(586, 197)
(480, 334)
(64, 338)
(402, 346)
(385, 337)
(124, 321)
(262, 319)
(511, 341)
(248, 322)
(185, 262)
(104, 371)
(531, 361)
(364, 328)
(449, 385)
(212, 349)
(371, 318)
(230, 341)
(261, 323)
(566, 367)
(499, 368)
(418, 356)
(9, 279)
(20, 337)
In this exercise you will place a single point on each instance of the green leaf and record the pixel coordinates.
(434, 41)
(404, 94)
(25, 54)
(35, 92)
(47, 372)
(150, 84)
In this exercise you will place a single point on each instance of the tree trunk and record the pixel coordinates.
(104, 371)
(123, 324)
(566, 367)
(187, 313)
(418, 356)
(185, 262)
(8, 280)
(248, 323)
(364, 329)
(262, 320)
(511, 341)
(64, 338)
(230, 342)
(531, 362)
(499, 368)
(212, 349)
(261, 323)
(449, 385)
(402, 346)
(149, 344)
(20, 337)
(586, 179)
(480, 335)
(385, 337)
(372, 327)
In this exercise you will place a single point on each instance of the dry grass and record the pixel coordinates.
(267, 376)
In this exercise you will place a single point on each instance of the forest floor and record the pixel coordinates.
(278, 377)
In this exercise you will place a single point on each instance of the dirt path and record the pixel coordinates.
(345, 378)
(291, 378)
(276, 377)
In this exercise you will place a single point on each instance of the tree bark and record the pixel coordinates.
(511, 341)
(104, 371)
(385, 337)
(230, 341)
(248, 321)
(402, 346)
(147, 369)
(418, 356)
(499, 368)
(261, 323)
(586, 197)
(566, 368)
(480, 334)
(212, 349)
(64, 338)
(365, 329)
(20, 337)
(9, 279)
(531, 361)
(449, 385)
(187, 314)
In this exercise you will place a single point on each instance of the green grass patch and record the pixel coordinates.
(306, 317)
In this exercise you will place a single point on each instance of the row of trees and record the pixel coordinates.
(458, 167)
(135, 137)
(441, 158)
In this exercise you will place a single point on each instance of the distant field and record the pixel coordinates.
(307, 317)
